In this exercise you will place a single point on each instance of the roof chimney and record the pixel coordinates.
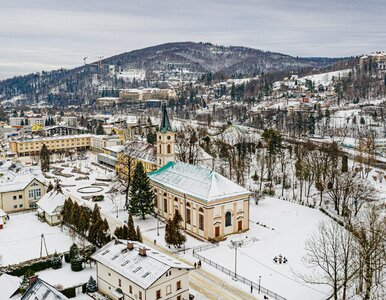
(32, 279)
(142, 251)
(130, 245)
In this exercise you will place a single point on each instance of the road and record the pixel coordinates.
(200, 280)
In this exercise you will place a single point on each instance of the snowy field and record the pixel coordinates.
(20, 238)
(288, 226)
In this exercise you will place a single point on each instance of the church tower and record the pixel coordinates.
(166, 139)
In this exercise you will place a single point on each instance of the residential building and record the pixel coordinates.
(21, 193)
(39, 289)
(9, 286)
(50, 207)
(70, 121)
(131, 270)
(99, 142)
(64, 130)
(107, 101)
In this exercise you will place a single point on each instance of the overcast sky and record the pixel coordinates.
(40, 35)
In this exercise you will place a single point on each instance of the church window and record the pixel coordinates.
(169, 149)
(228, 219)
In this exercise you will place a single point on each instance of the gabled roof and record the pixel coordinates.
(165, 123)
(51, 201)
(42, 290)
(9, 285)
(196, 181)
(142, 270)
(20, 183)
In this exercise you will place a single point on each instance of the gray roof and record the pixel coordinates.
(42, 290)
(142, 270)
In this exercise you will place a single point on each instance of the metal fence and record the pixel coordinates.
(242, 279)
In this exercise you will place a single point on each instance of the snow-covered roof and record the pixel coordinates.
(141, 150)
(20, 184)
(142, 270)
(2, 213)
(42, 290)
(116, 148)
(51, 201)
(197, 181)
(9, 285)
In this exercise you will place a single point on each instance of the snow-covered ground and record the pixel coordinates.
(66, 277)
(287, 228)
(21, 237)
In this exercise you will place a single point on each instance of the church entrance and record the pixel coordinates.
(217, 231)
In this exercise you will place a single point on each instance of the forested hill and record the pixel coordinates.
(75, 86)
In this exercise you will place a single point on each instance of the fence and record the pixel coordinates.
(231, 273)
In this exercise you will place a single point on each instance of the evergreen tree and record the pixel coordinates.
(45, 158)
(91, 285)
(141, 193)
(139, 235)
(178, 236)
(50, 187)
(74, 251)
(169, 231)
(83, 223)
(96, 214)
(74, 218)
(125, 232)
(25, 281)
(58, 187)
(118, 232)
(66, 211)
(56, 261)
(131, 234)
(100, 130)
(92, 234)
(77, 263)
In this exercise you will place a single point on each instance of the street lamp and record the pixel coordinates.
(259, 283)
(156, 216)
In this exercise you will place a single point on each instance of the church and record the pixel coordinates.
(211, 205)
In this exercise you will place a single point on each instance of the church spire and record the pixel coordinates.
(165, 123)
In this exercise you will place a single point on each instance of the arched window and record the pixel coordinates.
(228, 219)
(160, 149)
(169, 149)
(201, 219)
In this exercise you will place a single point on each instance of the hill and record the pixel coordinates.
(84, 83)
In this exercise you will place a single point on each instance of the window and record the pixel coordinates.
(119, 282)
(140, 295)
(228, 219)
(20, 205)
(130, 289)
(34, 193)
(179, 297)
(20, 196)
(14, 197)
(201, 221)
(168, 289)
(188, 216)
(169, 149)
(155, 200)
(15, 206)
(178, 285)
(158, 294)
(160, 149)
(165, 205)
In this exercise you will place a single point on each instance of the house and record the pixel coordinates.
(39, 289)
(9, 286)
(3, 218)
(131, 270)
(21, 193)
(50, 207)
(211, 205)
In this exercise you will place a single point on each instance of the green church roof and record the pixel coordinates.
(165, 123)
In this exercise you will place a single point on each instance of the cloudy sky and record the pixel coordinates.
(40, 35)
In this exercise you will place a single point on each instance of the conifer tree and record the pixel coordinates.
(83, 224)
(66, 211)
(91, 285)
(100, 130)
(118, 232)
(131, 234)
(173, 235)
(96, 214)
(75, 211)
(50, 187)
(141, 193)
(169, 231)
(74, 250)
(139, 235)
(45, 158)
(92, 234)
(56, 261)
(125, 232)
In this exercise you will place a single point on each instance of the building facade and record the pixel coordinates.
(18, 196)
(131, 270)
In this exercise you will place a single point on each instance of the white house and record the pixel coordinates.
(131, 270)
(50, 207)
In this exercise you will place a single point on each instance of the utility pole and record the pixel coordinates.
(43, 240)
(259, 283)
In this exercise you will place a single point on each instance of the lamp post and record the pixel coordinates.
(236, 244)
(156, 216)
(259, 283)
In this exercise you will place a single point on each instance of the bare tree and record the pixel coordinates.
(187, 145)
(125, 168)
(330, 253)
(369, 231)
